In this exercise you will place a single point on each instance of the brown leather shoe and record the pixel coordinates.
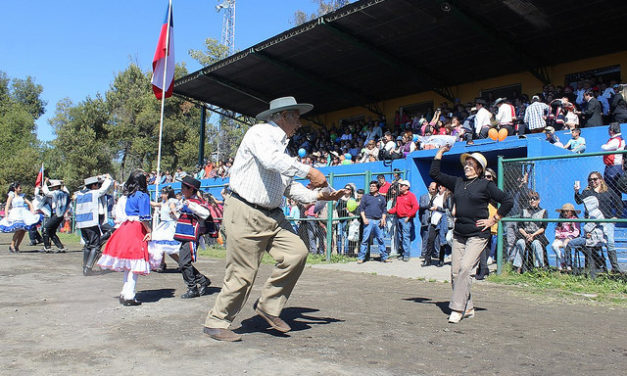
(220, 334)
(274, 321)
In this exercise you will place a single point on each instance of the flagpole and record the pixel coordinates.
(163, 90)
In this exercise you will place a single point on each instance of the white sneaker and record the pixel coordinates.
(455, 317)
(490, 260)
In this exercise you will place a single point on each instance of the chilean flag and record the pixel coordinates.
(40, 176)
(165, 51)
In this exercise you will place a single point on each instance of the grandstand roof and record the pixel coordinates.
(373, 50)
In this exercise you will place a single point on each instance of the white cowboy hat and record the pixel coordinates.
(477, 157)
(91, 180)
(55, 183)
(284, 104)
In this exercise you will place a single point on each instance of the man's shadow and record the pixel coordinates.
(443, 305)
(296, 317)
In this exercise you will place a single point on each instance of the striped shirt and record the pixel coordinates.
(262, 173)
(534, 115)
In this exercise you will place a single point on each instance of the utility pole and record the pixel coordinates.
(227, 7)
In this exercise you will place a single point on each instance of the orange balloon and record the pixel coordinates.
(502, 134)
(493, 134)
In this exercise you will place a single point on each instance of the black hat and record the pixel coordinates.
(191, 182)
(481, 101)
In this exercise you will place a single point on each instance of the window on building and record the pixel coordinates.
(509, 91)
(605, 74)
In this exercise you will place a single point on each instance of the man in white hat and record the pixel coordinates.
(254, 223)
(91, 217)
(60, 201)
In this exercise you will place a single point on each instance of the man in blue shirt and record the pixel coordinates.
(373, 209)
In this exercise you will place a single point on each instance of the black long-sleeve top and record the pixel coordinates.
(471, 198)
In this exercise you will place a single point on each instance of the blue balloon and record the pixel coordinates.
(302, 152)
(348, 156)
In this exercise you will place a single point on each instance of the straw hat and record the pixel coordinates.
(477, 157)
(568, 206)
(284, 104)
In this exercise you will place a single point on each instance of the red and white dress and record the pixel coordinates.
(126, 250)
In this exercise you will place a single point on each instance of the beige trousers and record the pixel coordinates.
(251, 232)
(465, 257)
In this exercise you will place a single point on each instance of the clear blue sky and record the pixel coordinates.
(75, 48)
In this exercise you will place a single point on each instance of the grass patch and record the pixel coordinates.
(606, 288)
(69, 238)
(220, 253)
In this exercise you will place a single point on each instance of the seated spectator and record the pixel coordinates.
(371, 150)
(564, 233)
(531, 234)
(590, 244)
(551, 137)
(576, 144)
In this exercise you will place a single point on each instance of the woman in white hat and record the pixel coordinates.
(471, 194)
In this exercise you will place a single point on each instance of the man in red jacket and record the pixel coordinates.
(405, 209)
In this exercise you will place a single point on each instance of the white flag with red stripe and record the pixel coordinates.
(164, 52)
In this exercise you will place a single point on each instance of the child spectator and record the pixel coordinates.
(576, 144)
(565, 232)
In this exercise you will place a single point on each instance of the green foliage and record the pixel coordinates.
(605, 288)
(214, 51)
(19, 148)
(324, 7)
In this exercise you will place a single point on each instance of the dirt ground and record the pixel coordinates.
(55, 321)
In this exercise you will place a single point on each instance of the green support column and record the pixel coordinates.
(499, 234)
(329, 221)
(201, 143)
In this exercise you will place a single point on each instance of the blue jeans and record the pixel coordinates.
(342, 238)
(572, 245)
(519, 250)
(372, 229)
(404, 232)
(608, 231)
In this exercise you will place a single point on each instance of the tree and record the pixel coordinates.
(324, 7)
(20, 103)
(214, 51)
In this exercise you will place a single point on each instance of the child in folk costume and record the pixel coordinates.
(193, 211)
(19, 218)
(163, 236)
(127, 249)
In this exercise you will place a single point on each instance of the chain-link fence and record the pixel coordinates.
(568, 213)
(335, 228)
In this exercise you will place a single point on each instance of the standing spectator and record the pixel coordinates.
(592, 110)
(535, 116)
(531, 234)
(426, 201)
(613, 162)
(372, 209)
(576, 144)
(483, 119)
(506, 115)
(618, 107)
(471, 194)
(405, 209)
(293, 214)
(564, 233)
(571, 119)
(441, 204)
(384, 186)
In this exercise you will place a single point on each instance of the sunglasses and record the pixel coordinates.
(534, 198)
(488, 176)
(594, 179)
